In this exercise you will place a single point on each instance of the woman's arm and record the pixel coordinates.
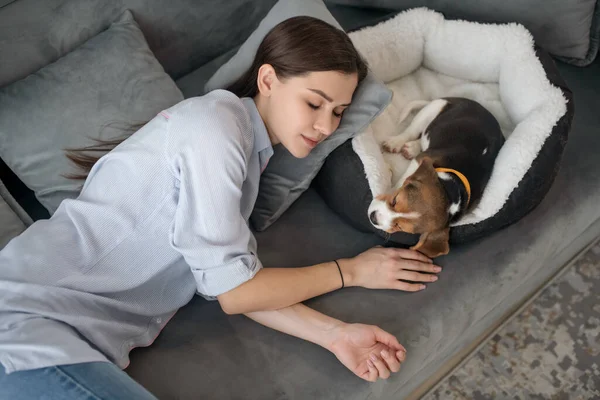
(366, 350)
(302, 322)
(207, 151)
(274, 288)
(377, 268)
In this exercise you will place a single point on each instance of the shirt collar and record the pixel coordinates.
(262, 142)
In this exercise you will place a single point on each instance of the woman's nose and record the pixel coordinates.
(325, 126)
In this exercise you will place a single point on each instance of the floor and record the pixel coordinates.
(549, 350)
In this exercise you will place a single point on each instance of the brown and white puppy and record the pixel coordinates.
(453, 143)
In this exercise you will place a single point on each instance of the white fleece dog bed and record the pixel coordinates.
(420, 55)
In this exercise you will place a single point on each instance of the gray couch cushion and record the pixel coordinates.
(183, 34)
(287, 177)
(12, 221)
(193, 83)
(203, 353)
(282, 10)
(349, 18)
(113, 77)
(569, 29)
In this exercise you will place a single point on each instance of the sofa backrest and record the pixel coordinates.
(183, 34)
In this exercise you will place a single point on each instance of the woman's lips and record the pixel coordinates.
(310, 142)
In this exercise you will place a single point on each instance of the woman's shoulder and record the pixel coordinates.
(218, 118)
(217, 104)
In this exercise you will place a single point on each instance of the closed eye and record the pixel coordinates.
(393, 202)
(315, 107)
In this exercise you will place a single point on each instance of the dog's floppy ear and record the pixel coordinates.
(425, 172)
(434, 244)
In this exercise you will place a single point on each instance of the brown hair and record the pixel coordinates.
(298, 46)
(294, 47)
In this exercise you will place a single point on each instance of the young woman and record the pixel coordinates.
(164, 215)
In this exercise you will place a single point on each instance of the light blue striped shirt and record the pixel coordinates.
(161, 217)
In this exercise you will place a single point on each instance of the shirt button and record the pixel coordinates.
(158, 320)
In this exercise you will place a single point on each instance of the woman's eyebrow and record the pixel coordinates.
(325, 96)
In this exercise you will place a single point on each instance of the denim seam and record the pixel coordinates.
(77, 384)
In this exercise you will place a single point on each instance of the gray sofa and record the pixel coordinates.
(203, 353)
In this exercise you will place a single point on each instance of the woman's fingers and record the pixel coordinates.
(408, 254)
(411, 265)
(390, 359)
(405, 275)
(386, 268)
(408, 287)
(415, 276)
(401, 354)
(388, 339)
(381, 367)
(371, 374)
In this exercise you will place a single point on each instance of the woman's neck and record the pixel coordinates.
(262, 108)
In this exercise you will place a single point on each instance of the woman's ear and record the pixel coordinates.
(265, 79)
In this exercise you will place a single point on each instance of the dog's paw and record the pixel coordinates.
(392, 145)
(411, 149)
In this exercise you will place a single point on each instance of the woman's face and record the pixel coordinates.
(300, 112)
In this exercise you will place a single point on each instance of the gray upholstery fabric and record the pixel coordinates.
(176, 32)
(282, 10)
(203, 353)
(183, 34)
(349, 18)
(193, 83)
(569, 29)
(113, 77)
(287, 177)
(11, 223)
(5, 2)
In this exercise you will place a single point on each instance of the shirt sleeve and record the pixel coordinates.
(208, 146)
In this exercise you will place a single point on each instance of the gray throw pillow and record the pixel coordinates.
(287, 177)
(111, 79)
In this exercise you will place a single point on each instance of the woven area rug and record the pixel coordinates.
(550, 350)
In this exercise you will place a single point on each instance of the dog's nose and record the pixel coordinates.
(373, 217)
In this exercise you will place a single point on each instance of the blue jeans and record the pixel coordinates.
(89, 381)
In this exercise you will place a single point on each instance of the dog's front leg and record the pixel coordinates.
(417, 126)
(411, 149)
(398, 143)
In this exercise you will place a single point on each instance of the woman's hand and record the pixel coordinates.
(389, 268)
(367, 350)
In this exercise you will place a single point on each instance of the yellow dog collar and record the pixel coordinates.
(462, 178)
